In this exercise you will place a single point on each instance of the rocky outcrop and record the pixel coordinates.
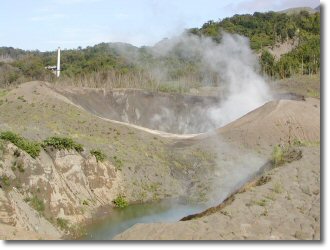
(58, 189)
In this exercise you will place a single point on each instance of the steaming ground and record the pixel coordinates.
(230, 65)
(205, 167)
(286, 207)
(170, 113)
(231, 61)
(189, 148)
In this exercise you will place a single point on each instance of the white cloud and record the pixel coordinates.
(262, 5)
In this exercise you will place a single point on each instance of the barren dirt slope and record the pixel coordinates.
(149, 167)
(281, 121)
(145, 159)
(287, 207)
(154, 166)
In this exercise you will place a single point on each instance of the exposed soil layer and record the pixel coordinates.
(174, 113)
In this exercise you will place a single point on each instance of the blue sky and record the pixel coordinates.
(47, 24)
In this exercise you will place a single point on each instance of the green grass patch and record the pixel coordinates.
(2, 146)
(261, 202)
(285, 154)
(37, 204)
(3, 92)
(63, 224)
(5, 181)
(30, 147)
(62, 143)
(27, 199)
(21, 98)
(20, 167)
(277, 188)
(313, 93)
(99, 155)
(120, 201)
(172, 87)
(277, 156)
(118, 163)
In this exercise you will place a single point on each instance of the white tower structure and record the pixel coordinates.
(58, 67)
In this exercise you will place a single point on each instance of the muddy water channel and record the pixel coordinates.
(114, 220)
(105, 228)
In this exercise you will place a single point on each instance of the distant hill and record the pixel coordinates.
(271, 29)
(298, 10)
(121, 62)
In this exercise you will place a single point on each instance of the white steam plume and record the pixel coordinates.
(242, 90)
(245, 90)
(237, 67)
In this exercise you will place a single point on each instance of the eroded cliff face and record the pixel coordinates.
(55, 191)
(173, 113)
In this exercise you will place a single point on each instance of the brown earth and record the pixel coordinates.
(153, 165)
(276, 122)
(286, 207)
(172, 113)
(58, 186)
(144, 164)
(282, 48)
(13, 233)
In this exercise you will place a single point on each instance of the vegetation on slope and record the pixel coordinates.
(120, 201)
(268, 29)
(61, 143)
(31, 147)
(99, 155)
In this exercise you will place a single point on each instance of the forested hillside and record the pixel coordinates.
(266, 30)
(123, 65)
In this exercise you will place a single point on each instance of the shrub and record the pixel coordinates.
(277, 156)
(283, 154)
(99, 155)
(5, 180)
(17, 153)
(261, 202)
(20, 167)
(21, 98)
(30, 147)
(37, 204)
(120, 202)
(62, 223)
(61, 143)
(85, 203)
(27, 199)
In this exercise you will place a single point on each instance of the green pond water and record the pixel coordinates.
(121, 219)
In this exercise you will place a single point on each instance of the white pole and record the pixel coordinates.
(58, 67)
